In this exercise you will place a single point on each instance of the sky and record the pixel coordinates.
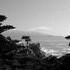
(45, 16)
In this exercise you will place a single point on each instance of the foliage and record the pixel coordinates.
(4, 27)
(11, 40)
(35, 47)
(5, 45)
(2, 18)
(27, 39)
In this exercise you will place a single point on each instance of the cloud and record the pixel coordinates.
(41, 28)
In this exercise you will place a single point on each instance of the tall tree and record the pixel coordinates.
(4, 44)
(27, 39)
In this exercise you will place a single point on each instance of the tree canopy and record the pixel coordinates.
(4, 27)
(2, 18)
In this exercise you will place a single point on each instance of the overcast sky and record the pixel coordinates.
(46, 16)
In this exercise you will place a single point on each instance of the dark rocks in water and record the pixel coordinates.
(69, 43)
(67, 37)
